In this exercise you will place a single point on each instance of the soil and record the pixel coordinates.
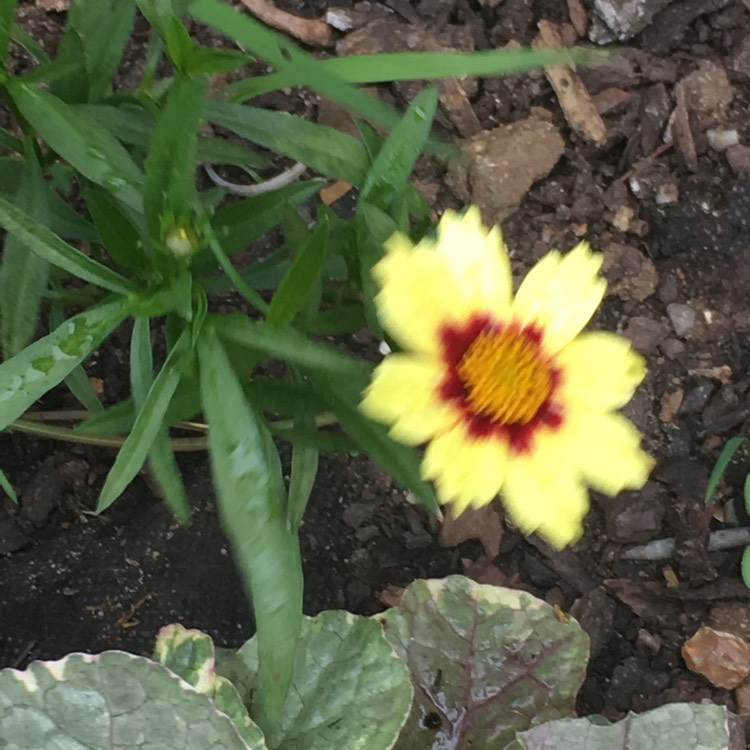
(673, 223)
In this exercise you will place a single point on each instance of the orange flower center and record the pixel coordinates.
(505, 376)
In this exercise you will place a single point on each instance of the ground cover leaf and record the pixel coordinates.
(683, 725)
(486, 662)
(349, 689)
(86, 701)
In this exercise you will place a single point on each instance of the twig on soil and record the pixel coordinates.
(281, 180)
(662, 549)
(575, 100)
(312, 31)
(655, 154)
(36, 423)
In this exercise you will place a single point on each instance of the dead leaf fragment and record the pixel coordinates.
(483, 524)
(575, 100)
(722, 658)
(312, 31)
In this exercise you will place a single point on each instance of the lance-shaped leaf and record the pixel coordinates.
(80, 140)
(247, 473)
(148, 425)
(170, 166)
(47, 245)
(486, 663)
(43, 364)
(683, 725)
(110, 700)
(23, 274)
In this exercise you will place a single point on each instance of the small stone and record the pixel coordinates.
(622, 19)
(722, 658)
(503, 163)
(682, 318)
(668, 289)
(672, 347)
(721, 140)
(707, 92)
(667, 193)
(644, 333)
(631, 275)
(696, 398)
(634, 517)
(670, 405)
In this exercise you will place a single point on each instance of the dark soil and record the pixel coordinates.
(673, 223)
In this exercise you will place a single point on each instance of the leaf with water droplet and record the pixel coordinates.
(42, 365)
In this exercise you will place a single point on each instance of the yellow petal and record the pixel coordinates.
(552, 506)
(403, 393)
(610, 457)
(560, 294)
(418, 294)
(600, 371)
(466, 471)
(478, 260)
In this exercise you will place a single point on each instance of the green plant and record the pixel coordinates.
(456, 664)
(722, 463)
(106, 223)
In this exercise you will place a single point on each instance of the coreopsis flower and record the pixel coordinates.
(508, 395)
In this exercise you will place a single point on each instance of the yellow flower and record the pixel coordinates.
(507, 392)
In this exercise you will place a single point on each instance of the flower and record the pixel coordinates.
(508, 394)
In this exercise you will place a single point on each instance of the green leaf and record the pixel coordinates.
(745, 567)
(7, 487)
(385, 67)
(349, 689)
(80, 140)
(191, 655)
(48, 246)
(86, 701)
(209, 60)
(120, 237)
(303, 69)
(746, 493)
(170, 166)
(390, 172)
(300, 278)
(166, 474)
(683, 725)
(148, 423)
(247, 474)
(21, 37)
(23, 274)
(134, 125)
(102, 29)
(325, 150)
(486, 661)
(288, 345)
(25, 378)
(7, 14)
(77, 381)
(400, 461)
(161, 458)
(237, 225)
(722, 462)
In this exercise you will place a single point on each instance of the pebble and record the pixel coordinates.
(720, 140)
(696, 398)
(682, 318)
